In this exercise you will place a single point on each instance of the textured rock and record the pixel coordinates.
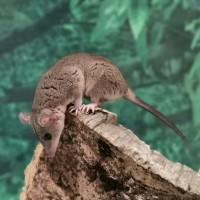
(100, 160)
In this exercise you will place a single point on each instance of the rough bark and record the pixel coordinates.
(100, 160)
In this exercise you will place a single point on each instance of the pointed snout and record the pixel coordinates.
(50, 153)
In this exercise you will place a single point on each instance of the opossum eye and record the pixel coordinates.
(47, 136)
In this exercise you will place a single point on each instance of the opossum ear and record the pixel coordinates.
(47, 117)
(25, 118)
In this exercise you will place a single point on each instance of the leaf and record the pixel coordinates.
(169, 9)
(22, 18)
(74, 8)
(157, 33)
(186, 4)
(69, 27)
(194, 28)
(141, 47)
(192, 85)
(111, 16)
(73, 4)
(155, 2)
(175, 65)
(138, 14)
(195, 70)
(193, 25)
(196, 39)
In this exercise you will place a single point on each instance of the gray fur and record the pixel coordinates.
(66, 82)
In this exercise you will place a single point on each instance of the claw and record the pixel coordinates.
(86, 108)
(73, 110)
(83, 108)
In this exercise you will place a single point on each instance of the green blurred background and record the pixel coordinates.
(156, 45)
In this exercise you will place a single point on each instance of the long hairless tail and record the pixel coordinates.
(134, 99)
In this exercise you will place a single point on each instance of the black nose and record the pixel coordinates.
(47, 136)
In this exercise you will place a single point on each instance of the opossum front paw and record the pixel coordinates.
(89, 107)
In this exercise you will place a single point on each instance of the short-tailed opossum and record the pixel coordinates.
(66, 82)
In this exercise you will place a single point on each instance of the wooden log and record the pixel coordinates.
(98, 159)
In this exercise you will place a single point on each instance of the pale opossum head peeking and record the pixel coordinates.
(47, 125)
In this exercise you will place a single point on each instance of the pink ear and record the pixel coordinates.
(25, 118)
(46, 118)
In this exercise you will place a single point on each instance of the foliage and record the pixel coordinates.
(156, 45)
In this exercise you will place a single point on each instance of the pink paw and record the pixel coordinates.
(89, 107)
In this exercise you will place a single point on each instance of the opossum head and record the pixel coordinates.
(48, 125)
